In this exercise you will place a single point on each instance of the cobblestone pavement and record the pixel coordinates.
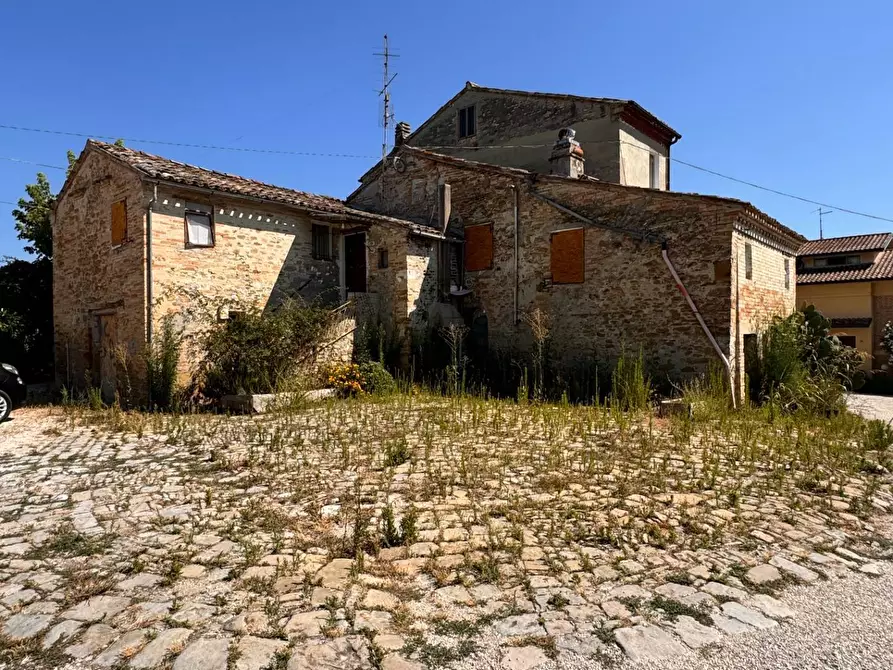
(871, 406)
(401, 536)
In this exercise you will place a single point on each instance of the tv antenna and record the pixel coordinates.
(387, 114)
(822, 213)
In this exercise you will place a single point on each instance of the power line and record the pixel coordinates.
(19, 160)
(7, 202)
(183, 144)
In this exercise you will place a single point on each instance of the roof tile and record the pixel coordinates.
(882, 268)
(842, 245)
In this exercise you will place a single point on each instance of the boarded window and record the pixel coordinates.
(199, 228)
(722, 270)
(478, 247)
(567, 256)
(322, 242)
(467, 121)
(119, 222)
(748, 261)
(787, 273)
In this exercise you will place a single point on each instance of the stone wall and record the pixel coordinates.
(628, 299)
(95, 282)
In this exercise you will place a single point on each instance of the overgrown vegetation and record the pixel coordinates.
(162, 359)
(802, 366)
(260, 352)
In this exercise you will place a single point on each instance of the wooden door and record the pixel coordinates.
(355, 263)
(108, 342)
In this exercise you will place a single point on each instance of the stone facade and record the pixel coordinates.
(618, 137)
(98, 289)
(262, 254)
(628, 298)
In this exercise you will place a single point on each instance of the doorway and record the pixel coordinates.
(355, 262)
(752, 365)
(108, 342)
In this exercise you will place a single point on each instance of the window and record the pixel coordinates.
(322, 242)
(722, 271)
(119, 222)
(847, 340)
(832, 261)
(199, 226)
(653, 170)
(567, 256)
(467, 121)
(478, 247)
(787, 273)
(382, 258)
(748, 261)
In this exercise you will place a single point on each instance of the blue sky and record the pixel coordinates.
(792, 94)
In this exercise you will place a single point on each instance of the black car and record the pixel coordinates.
(12, 390)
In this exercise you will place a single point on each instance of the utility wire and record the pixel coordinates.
(182, 144)
(431, 147)
(19, 160)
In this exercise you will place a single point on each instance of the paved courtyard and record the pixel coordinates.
(416, 533)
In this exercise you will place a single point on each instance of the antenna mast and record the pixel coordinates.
(385, 94)
(822, 213)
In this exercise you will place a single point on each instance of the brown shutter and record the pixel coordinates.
(119, 222)
(478, 247)
(567, 257)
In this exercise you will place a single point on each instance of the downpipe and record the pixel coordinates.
(694, 309)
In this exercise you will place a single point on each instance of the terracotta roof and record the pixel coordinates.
(843, 245)
(882, 268)
(171, 171)
(743, 205)
(851, 322)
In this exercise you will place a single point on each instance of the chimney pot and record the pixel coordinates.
(401, 132)
(567, 155)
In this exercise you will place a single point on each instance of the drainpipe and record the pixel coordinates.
(149, 295)
(684, 292)
(517, 263)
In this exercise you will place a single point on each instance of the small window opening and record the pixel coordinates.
(653, 170)
(382, 258)
(787, 273)
(748, 260)
(467, 121)
(199, 228)
(722, 270)
(322, 242)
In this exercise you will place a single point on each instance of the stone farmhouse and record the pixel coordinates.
(850, 280)
(615, 259)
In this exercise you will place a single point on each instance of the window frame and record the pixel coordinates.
(462, 120)
(209, 213)
(314, 253)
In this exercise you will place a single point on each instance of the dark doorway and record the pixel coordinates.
(752, 365)
(355, 263)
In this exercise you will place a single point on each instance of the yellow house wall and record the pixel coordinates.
(837, 300)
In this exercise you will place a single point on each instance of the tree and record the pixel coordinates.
(26, 287)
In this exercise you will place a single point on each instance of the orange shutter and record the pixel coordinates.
(119, 222)
(567, 257)
(478, 247)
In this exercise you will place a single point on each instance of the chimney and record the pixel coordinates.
(401, 132)
(567, 155)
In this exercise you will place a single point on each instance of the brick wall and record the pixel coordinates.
(93, 281)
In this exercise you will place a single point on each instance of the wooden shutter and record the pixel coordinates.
(479, 247)
(567, 257)
(119, 222)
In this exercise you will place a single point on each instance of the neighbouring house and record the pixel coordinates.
(137, 237)
(850, 280)
(598, 258)
(623, 142)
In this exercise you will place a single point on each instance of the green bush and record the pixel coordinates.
(376, 379)
(162, 358)
(257, 352)
(803, 366)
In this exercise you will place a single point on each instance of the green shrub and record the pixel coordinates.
(257, 352)
(162, 358)
(878, 435)
(803, 366)
(376, 380)
(630, 387)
